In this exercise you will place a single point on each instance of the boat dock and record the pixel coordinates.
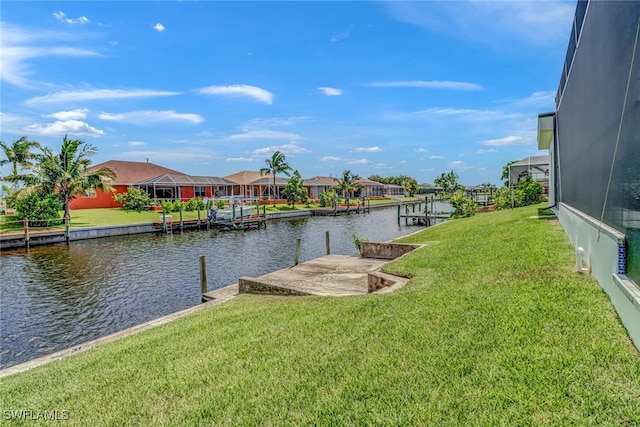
(252, 222)
(419, 216)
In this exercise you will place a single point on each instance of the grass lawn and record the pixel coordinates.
(494, 328)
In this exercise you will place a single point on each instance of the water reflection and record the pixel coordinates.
(54, 297)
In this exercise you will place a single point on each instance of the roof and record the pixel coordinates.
(244, 177)
(533, 160)
(129, 173)
(184, 180)
(319, 181)
(323, 180)
(268, 180)
(370, 183)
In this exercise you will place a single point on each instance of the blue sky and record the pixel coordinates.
(212, 88)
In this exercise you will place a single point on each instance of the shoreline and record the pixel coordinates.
(14, 241)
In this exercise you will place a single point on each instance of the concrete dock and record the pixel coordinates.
(331, 275)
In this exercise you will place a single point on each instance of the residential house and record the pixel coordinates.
(128, 174)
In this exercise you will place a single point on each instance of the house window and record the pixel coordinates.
(89, 194)
(200, 191)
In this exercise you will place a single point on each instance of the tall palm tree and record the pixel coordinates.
(277, 163)
(68, 173)
(348, 184)
(18, 155)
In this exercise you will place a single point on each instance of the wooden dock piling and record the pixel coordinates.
(297, 256)
(203, 274)
(326, 241)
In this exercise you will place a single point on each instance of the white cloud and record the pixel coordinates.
(368, 150)
(291, 148)
(506, 141)
(273, 122)
(357, 162)
(69, 115)
(136, 143)
(13, 123)
(487, 150)
(330, 159)
(433, 84)
(341, 36)
(158, 27)
(151, 116)
(421, 150)
(258, 94)
(458, 164)
(537, 100)
(330, 91)
(62, 17)
(381, 166)
(92, 95)
(436, 157)
(60, 127)
(265, 134)
(19, 45)
(239, 159)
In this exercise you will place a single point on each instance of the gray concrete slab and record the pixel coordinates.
(331, 275)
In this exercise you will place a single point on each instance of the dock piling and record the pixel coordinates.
(203, 275)
(326, 240)
(25, 224)
(297, 256)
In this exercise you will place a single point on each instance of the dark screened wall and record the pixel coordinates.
(590, 106)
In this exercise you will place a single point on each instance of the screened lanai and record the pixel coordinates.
(186, 187)
(536, 166)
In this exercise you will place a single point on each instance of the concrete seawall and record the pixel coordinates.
(17, 241)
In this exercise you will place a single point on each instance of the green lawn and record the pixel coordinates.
(495, 328)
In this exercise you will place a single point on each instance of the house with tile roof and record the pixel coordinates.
(127, 174)
(160, 183)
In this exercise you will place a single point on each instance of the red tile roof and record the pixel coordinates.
(132, 172)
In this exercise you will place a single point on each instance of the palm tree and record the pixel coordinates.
(277, 163)
(68, 173)
(348, 184)
(17, 155)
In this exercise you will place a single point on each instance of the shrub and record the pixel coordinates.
(463, 206)
(191, 205)
(169, 206)
(41, 211)
(358, 240)
(527, 192)
(531, 191)
(328, 198)
(135, 199)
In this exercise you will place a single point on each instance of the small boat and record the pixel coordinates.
(227, 214)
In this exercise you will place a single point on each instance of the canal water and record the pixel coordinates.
(55, 297)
